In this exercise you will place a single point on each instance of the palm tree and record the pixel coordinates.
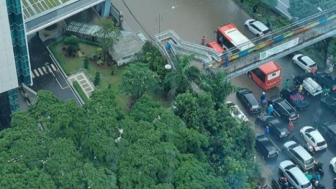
(179, 80)
(218, 86)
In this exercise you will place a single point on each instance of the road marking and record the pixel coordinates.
(33, 76)
(44, 69)
(274, 144)
(36, 73)
(40, 71)
(53, 67)
(50, 70)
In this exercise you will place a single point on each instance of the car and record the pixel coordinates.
(330, 103)
(257, 27)
(328, 129)
(283, 108)
(332, 164)
(299, 155)
(304, 62)
(314, 138)
(325, 81)
(278, 130)
(248, 100)
(265, 147)
(292, 95)
(294, 175)
(236, 112)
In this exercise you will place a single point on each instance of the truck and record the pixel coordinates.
(292, 95)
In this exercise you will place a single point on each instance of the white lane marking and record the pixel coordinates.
(44, 69)
(49, 69)
(40, 71)
(36, 73)
(53, 67)
(32, 74)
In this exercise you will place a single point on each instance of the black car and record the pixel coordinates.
(325, 80)
(278, 130)
(248, 100)
(330, 103)
(283, 108)
(292, 95)
(265, 147)
(328, 129)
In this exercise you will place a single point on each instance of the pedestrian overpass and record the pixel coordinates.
(277, 44)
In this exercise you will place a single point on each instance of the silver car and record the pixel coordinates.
(299, 155)
(294, 175)
(256, 27)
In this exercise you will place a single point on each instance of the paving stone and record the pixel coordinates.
(85, 85)
(83, 81)
(80, 77)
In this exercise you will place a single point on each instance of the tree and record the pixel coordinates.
(302, 9)
(108, 35)
(86, 63)
(179, 80)
(219, 88)
(96, 80)
(138, 79)
(72, 43)
(152, 56)
(256, 3)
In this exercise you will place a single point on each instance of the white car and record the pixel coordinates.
(306, 63)
(333, 164)
(294, 175)
(256, 27)
(314, 138)
(236, 112)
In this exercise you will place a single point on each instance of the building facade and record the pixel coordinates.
(14, 58)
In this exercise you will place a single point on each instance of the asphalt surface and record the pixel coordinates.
(193, 19)
(54, 82)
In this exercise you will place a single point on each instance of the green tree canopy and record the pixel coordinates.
(138, 79)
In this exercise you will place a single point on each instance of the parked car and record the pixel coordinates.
(299, 155)
(313, 137)
(236, 112)
(278, 130)
(265, 147)
(257, 27)
(332, 164)
(294, 97)
(283, 108)
(294, 175)
(328, 129)
(330, 103)
(248, 100)
(325, 81)
(306, 63)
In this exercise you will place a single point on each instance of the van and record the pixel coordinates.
(299, 155)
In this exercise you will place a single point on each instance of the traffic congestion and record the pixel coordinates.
(285, 135)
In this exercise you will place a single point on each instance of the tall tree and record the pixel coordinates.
(179, 80)
(138, 79)
(219, 88)
(108, 35)
(303, 8)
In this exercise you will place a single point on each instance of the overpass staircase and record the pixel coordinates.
(277, 44)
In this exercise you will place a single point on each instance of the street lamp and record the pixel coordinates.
(160, 16)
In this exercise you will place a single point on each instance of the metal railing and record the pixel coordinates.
(202, 53)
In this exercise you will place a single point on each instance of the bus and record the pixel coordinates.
(267, 75)
(228, 36)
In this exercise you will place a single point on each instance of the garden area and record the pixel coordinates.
(74, 64)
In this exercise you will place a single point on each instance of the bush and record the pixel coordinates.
(72, 43)
(80, 91)
(97, 79)
(86, 63)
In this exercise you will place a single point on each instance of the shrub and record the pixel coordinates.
(97, 79)
(86, 63)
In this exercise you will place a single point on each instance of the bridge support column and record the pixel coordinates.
(104, 8)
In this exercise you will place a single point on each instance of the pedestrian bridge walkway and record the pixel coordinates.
(277, 44)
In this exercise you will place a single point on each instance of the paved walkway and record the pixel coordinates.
(83, 81)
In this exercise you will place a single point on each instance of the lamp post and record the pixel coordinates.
(160, 16)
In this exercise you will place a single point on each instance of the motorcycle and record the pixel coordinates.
(319, 168)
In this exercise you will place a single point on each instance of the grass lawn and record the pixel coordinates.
(73, 65)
